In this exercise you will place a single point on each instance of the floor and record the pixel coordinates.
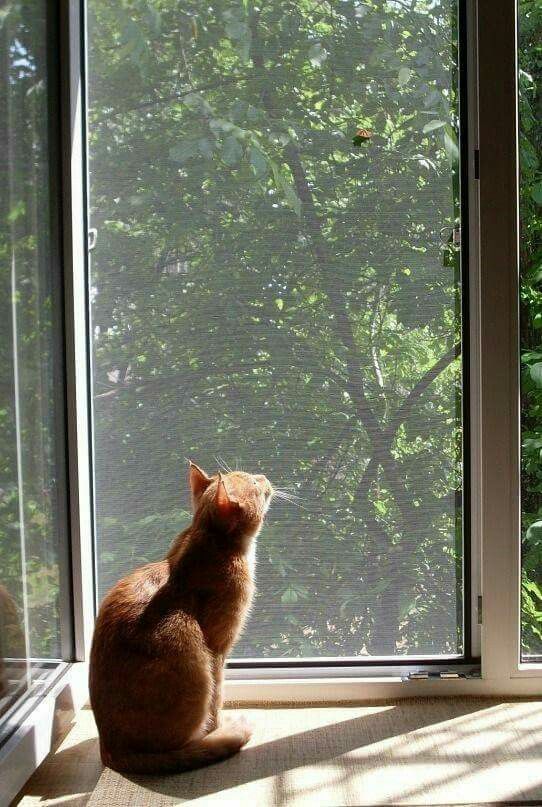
(419, 752)
(69, 775)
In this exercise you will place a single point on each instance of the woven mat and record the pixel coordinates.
(418, 752)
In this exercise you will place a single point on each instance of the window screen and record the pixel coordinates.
(34, 580)
(276, 286)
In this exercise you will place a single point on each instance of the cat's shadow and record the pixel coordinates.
(312, 747)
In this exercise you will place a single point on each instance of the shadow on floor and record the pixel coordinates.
(324, 746)
(67, 777)
(329, 771)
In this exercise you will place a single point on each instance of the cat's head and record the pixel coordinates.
(236, 502)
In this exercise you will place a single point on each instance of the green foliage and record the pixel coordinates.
(309, 329)
(31, 495)
(530, 84)
(229, 199)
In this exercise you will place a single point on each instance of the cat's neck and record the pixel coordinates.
(207, 548)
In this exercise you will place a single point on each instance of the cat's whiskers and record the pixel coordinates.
(286, 490)
(285, 495)
(223, 465)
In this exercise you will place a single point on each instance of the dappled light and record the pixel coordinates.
(429, 752)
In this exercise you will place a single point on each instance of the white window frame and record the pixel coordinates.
(495, 401)
(495, 424)
(40, 718)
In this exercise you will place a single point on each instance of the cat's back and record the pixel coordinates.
(125, 604)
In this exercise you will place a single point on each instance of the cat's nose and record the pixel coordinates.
(264, 483)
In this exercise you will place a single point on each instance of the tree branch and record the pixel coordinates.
(417, 391)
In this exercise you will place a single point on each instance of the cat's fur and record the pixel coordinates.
(163, 633)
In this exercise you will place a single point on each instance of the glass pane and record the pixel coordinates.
(530, 119)
(273, 288)
(32, 550)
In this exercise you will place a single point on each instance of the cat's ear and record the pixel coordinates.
(198, 480)
(225, 504)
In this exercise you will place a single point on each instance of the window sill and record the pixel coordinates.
(293, 689)
(39, 727)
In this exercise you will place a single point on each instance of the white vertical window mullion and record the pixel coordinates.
(75, 287)
(500, 478)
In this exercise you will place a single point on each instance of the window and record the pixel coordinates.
(530, 85)
(277, 279)
(273, 291)
(34, 626)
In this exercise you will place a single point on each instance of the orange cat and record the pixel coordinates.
(163, 633)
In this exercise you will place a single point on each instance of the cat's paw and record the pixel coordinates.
(240, 726)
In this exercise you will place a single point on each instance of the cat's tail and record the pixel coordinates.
(219, 744)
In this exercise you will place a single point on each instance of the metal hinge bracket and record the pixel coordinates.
(441, 675)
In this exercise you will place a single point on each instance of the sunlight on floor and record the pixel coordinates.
(430, 752)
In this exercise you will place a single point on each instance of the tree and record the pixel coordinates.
(266, 292)
(530, 85)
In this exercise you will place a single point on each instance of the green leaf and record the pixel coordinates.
(154, 19)
(291, 196)
(237, 29)
(536, 193)
(284, 184)
(432, 125)
(232, 151)
(528, 156)
(432, 99)
(205, 147)
(317, 54)
(290, 595)
(17, 211)
(222, 125)
(133, 41)
(258, 161)
(197, 103)
(530, 585)
(404, 75)
(184, 151)
(238, 109)
(535, 371)
(451, 145)
(279, 303)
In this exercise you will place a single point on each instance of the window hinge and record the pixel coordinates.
(456, 237)
(480, 610)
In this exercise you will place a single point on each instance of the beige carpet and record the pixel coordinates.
(426, 752)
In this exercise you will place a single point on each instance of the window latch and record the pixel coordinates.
(440, 675)
(424, 675)
(92, 238)
(450, 236)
